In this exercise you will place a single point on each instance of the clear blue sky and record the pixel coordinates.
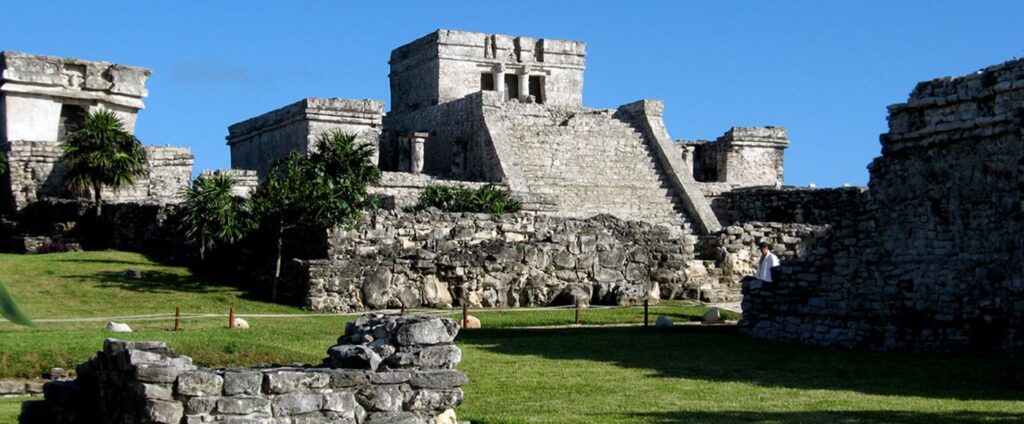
(824, 69)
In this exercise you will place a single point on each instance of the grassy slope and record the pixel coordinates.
(553, 375)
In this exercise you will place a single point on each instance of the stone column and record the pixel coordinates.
(499, 79)
(416, 142)
(524, 84)
(403, 154)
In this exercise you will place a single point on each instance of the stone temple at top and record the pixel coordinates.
(471, 108)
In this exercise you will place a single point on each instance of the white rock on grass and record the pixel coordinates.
(241, 324)
(663, 322)
(118, 327)
(472, 322)
(712, 316)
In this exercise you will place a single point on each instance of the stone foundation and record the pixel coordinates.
(130, 381)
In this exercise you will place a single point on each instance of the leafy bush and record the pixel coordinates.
(486, 199)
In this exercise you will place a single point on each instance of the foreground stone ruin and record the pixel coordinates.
(385, 369)
(929, 259)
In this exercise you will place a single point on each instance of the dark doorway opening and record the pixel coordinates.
(537, 88)
(487, 81)
(71, 119)
(511, 86)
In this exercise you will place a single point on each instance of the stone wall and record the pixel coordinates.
(245, 180)
(931, 262)
(36, 172)
(384, 369)
(436, 259)
(401, 189)
(727, 257)
(789, 204)
(458, 146)
(447, 65)
(257, 142)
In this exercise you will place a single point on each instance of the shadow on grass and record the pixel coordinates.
(721, 354)
(106, 261)
(154, 281)
(955, 417)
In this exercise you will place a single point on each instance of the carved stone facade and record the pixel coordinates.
(42, 98)
(448, 65)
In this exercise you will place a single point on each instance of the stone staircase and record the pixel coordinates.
(590, 163)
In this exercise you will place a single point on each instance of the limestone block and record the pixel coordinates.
(296, 403)
(242, 382)
(200, 383)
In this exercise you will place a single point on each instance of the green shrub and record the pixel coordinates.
(486, 199)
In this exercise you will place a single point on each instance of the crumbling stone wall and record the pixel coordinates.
(729, 256)
(931, 260)
(384, 369)
(437, 259)
(790, 204)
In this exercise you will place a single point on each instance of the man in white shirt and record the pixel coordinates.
(767, 262)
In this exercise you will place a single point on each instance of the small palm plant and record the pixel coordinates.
(101, 153)
(212, 214)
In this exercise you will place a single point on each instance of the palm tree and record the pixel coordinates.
(101, 153)
(10, 311)
(212, 214)
(324, 190)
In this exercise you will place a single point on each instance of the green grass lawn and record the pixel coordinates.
(623, 374)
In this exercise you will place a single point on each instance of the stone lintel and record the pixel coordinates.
(72, 78)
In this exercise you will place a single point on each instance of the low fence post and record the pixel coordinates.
(465, 314)
(177, 318)
(231, 317)
(577, 312)
(646, 302)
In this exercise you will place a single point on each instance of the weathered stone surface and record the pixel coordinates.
(296, 403)
(200, 383)
(426, 332)
(381, 398)
(438, 379)
(663, 322)
(288, 381)
(354, 357)
(242, 382)
(118, 327)
(237, 405)
(164, 412)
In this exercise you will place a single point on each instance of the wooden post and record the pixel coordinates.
(465, 314)
(177, 318)
(645, 311)
(404, 308)
(231, 317)
(577, 312)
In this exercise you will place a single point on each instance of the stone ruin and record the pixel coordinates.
(929, 258)
(43, 98)
(926, 259)
(385, 369)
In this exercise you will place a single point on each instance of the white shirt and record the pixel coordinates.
(764, 267)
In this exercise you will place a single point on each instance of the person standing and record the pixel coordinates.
(767, 262)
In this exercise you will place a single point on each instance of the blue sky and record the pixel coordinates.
(824, 69)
